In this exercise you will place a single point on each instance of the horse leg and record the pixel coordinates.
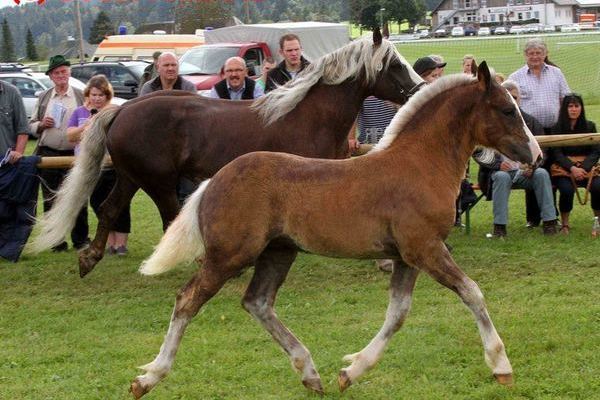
(437, 262)
(201, 288)
(270, 270)
(167, 203)
(120, 195)
(401, 288)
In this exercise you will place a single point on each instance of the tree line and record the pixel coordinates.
(33, 31)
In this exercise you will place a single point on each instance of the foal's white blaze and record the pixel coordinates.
(534, 146)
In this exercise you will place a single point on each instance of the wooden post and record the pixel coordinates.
(65, 162)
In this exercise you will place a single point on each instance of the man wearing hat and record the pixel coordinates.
(49, 123)
(428, 68)
(151, 71)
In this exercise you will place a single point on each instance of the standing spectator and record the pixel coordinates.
(49, 121)
(440, 60)
(572, 120)
(13, 123)
(293, 62)
(268, 64)
(168, 77)
(374, 116)
(18, 175)
(467, 62)
(428, 68)
(98, 93)
(151, 71)
(542, 86)
(236, 85)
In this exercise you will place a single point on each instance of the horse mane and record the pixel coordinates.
(416, 102)
(331, 69)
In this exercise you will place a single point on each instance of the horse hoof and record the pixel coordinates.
(344, 381)
(87, 261)
(504, 379)
(137, 389)
(314, 385)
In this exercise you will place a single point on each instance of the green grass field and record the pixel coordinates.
(66, 338)
(575, 54)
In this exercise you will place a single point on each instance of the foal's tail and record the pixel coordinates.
(182, 242)
(77, 186)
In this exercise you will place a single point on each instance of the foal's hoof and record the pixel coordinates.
(314, 385)
(88, 258)
(504, 379)
(344, 381)
(137, 389)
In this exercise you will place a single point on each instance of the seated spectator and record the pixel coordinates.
(236, 85)
(98, 93)
(571, 120)
(498, 175)
(428, 68)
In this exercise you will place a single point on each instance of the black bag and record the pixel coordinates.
(467, 194)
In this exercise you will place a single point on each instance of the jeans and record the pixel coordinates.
(504, 181)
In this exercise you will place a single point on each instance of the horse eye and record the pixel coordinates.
(509, 112)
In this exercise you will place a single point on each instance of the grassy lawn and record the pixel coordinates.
(576, 55)
(68, 338)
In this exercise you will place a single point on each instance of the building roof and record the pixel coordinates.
(589, 3)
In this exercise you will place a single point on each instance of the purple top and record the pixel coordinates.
(78, 118)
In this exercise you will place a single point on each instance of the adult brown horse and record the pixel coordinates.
(155, 140)
(410, 180)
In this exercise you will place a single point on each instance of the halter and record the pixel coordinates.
(413, 90)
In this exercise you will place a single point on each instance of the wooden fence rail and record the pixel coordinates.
(582, 139)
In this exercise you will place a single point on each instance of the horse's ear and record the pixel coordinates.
(377, 38)
(474, 68)
(484, 77)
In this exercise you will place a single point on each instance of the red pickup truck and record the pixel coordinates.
(202, 64)
(254, 43)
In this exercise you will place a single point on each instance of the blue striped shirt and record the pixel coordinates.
(374, 116)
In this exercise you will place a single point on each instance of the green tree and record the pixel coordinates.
(192, 15)
(7, 51)
(101, 27)
(31, 51)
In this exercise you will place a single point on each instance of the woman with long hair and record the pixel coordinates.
(98, 93)
(571, 120)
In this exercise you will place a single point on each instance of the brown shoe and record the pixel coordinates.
(550, 228)
(499, 231)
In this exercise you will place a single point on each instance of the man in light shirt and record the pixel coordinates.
(49, 122)
(542, 86)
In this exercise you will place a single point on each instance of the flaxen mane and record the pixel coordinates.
(332, 69)
(416, 102)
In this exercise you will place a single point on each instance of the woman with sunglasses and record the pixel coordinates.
(571, 120)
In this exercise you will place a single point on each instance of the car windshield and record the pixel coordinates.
(46, 82)
(205, 60)
(137, 69)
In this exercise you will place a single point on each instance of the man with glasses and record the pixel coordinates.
(236, 85)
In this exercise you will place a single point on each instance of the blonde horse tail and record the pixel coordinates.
(78, 185)
(182, 242)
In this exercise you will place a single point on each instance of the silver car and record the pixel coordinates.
(31, 84)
